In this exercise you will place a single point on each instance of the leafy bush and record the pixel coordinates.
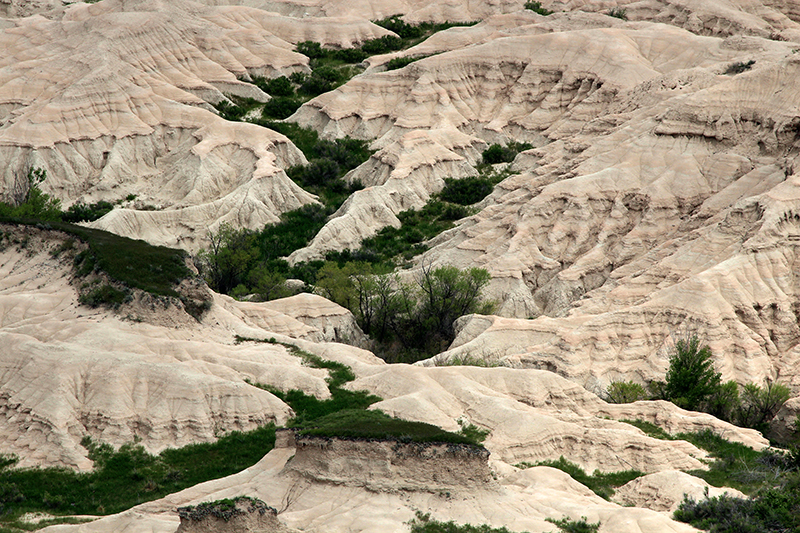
(466, 191)
(625, 392)
(310, 49)
(31, 202)
(281, 107)
(80, 212)
(691, 378)
(759, 405)
(503, 154)
(382, 45)
(419, 316)
(536, 7)
(277, 87)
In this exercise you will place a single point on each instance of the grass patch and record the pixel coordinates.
(650, 429)
(135, 263)
(104, 294)
(128, 476)
(364, 424)
(602, 484)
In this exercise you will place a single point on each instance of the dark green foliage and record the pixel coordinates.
(618, 12)
(276, 87)
(575, 526)
(400, 27)
(281, 107)
(536, 7)
(129, 476)
(691, 378)
(382, 45)
(424, 524)
(364, 424)
(31, 202)
(602, 484)
(400, 62)
(310, 49)
(412, 34)
(104, 294)
(318, 172)
(466, 191)
(80, 212)
(739, 67)
(503, 154)
(625, 392)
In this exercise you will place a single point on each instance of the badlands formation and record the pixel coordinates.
(661, 196)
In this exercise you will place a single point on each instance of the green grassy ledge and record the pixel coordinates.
(137, 264)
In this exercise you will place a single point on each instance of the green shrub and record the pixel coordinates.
(650, 429)
(382, 45)
(466, 191)
(691, 378)
(80, 212)
(281, 107)
(423, 523)
(759, 405)
(625, 392)
(31, 202)
(619, 12)
(310, 49)
(503, 154)
(536, 7)
(277, 87)
(575, 526)
(739, 67)
(400, 62)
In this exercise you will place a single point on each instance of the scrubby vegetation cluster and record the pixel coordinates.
(692, 383)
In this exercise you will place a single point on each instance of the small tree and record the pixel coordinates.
(761, 404)
(691, 377)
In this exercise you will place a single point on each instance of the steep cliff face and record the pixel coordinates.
(391, 465)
